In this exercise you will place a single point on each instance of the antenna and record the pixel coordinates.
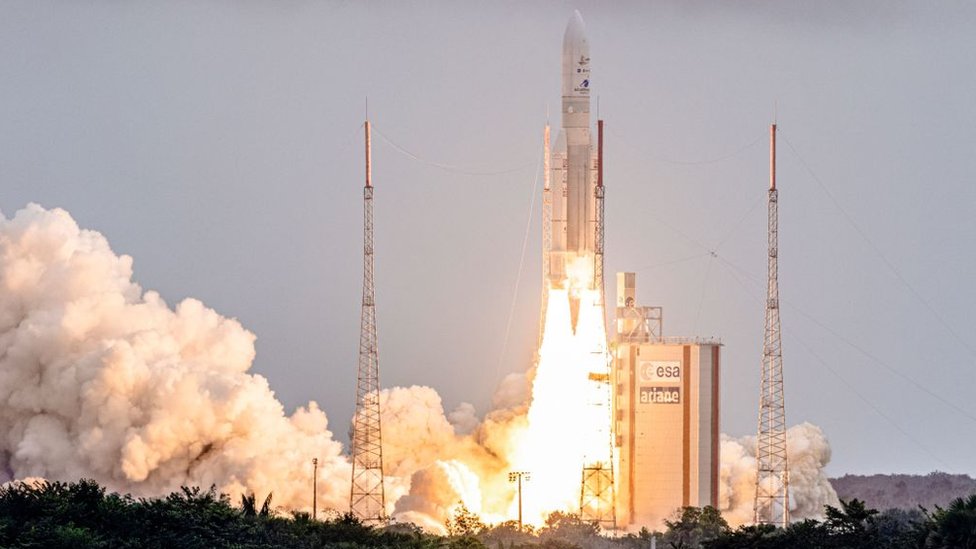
(772, 505)
(599, 195)
(772, 158)
(367, 498)
(546, 224)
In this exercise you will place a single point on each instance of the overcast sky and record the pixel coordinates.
(219, 144)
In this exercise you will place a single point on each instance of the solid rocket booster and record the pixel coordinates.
(573, 174)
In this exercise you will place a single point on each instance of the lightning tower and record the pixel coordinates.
(367, 500)
(546, 229)
(598, 196)
(772, 505)
(597, 492)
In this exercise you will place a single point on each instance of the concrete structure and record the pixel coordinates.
(666, 410)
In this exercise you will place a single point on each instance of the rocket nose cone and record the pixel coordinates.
(576, 60)
(575, 30)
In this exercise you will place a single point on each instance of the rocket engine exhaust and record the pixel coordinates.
(569, 417)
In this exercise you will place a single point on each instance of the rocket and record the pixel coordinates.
(573, 194)
(573, 170)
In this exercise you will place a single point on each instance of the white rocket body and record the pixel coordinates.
(573, 174)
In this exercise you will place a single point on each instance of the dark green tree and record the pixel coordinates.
(249, 506)
(567, 530)
(691, 526)
(954, 526)
(849, 525)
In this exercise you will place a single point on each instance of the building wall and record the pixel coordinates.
(667, 425)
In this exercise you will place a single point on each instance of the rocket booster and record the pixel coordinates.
(573, 169)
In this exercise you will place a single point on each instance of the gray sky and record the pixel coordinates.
(219, 144)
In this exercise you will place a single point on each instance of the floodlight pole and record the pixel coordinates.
(518, 476)
(315, 488)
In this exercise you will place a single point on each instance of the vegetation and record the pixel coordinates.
(82, 515)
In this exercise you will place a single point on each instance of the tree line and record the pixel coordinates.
(84, 515)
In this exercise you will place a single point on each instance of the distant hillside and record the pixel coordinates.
(904, 491)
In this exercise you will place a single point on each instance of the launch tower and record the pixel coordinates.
(367, 500)
(772, 504)
(597, 487)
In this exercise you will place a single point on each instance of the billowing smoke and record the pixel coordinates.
(442, 462)
(810, 490)
(101, 379)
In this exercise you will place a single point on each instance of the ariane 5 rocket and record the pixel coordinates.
(573, 166)
(573, 248)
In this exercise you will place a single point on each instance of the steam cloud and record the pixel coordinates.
(100, 379)
(810, 490)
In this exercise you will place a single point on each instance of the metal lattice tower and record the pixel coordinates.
(598, 241)
(546, 231)
(597, 496)
(773, 478)
(598, 500)
(367, 499)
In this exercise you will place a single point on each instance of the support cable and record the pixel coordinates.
(735, 227)
(696, 162)
(837, 374)
(911, 381)
(449, 167)
(884, 259)
(701, 298)
(518, 276)
(674, 261)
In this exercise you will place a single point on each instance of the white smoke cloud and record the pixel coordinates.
(513, 390)
(808, 452)
(464, 418)
(436, 491)
(100, 379)
(737, 479)
(437, 464)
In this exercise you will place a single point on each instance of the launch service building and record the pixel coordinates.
(666, 411)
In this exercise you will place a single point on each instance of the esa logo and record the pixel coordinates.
(660, 395)
(657, 370)
(665, 371)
